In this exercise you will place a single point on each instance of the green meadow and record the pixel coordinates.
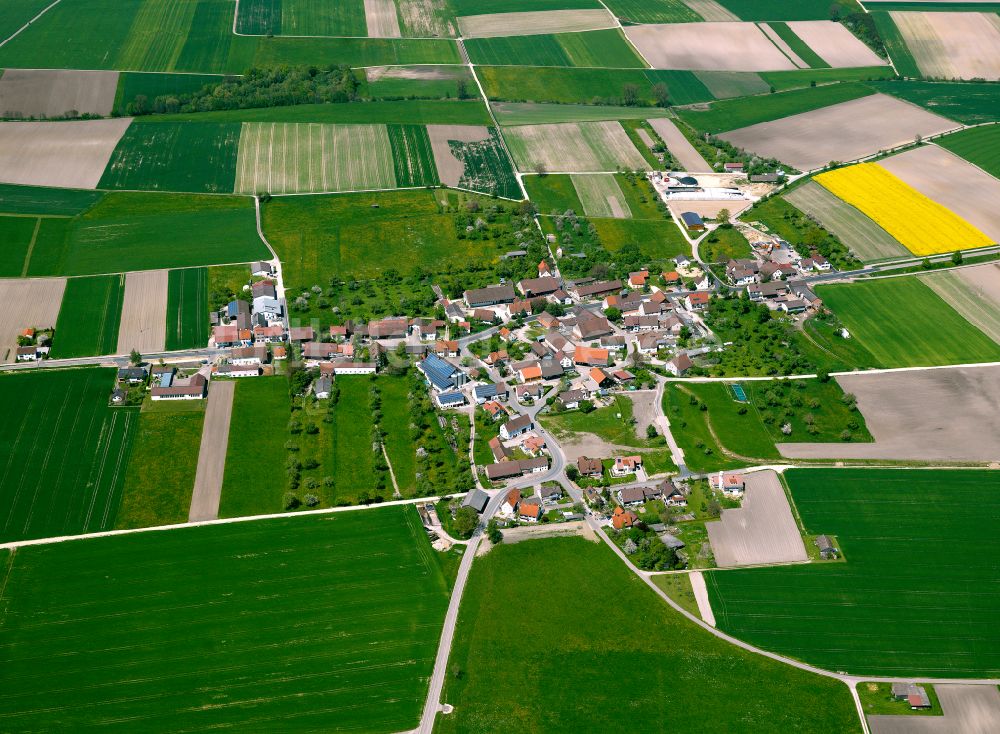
(89, 316)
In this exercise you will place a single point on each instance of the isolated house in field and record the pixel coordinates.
(826, 548)
(913, 694)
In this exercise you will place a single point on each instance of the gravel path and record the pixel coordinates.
(701, 596)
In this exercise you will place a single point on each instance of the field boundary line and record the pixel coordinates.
(21, 29)
(221, 521)
(31, 248)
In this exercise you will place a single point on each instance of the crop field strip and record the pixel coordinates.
(834, 44)
(792, 46)
(708, 46)
(980, 146)
(539, 22)
(728, 84)
(187, 309)
(584, 146)
(301, 18)
(974, 293)
(952, 45)
(878, 613)
(68, 453)
(964, 102)
(412, 156)
(606, 48)
(601, 196)
(89, 316)
(653, 11)
(366, 594)
(17, 235)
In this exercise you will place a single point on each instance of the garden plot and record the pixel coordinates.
(27, 303)
(380, 16)
(925, 415)
(288, 158)
(973, 292)
(601, 195)
(534, 23)
(952, 45)
(65, 154)
(952, 182)
(707, 46)
(573, 147)
(836, 45)
(711, 11)
(144, 312)
(450, 168)
(840, 132)
(679, 146)
(860, 233)
(761, 531)
(53, 93)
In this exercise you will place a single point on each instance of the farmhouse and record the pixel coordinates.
(516, 426)
(248, 355)
(500, 452)
(263, 288)
(194, 388)
(588, 326)
(238, 370)
(588, 357)
(728, 483)
(508, 469)
(513, 499)
(825, 546)
(450, 400)
(393, 328)
(598, 289)
(913, 694)
(543, 286)
(490, 296)
(271, 334)
(621, 519)
(529, 512)
(679, 365)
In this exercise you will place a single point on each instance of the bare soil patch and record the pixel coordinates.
(64, 154)
(450, 168)
(646, 138)
(780, 42)
(840, 132)
(974, 293)
(534, 23)
(144, 312)
(212, 454)
(707, 46)
(711, 11)
(552, 530)
(54, 93)
(643, 409)
(420, 73)
(967, 709)
(953, 182)
(761, 531)
(923, 415)
(952, 45)
(709, 208)
(836, 45)
(27, 303)
(701, 596)
(380, 17)
(679, 146)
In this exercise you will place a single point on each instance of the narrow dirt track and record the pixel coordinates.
(144, 312)
(212, 455)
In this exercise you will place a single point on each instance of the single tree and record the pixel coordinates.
(630, 95)
(493, 532)
(134, 357)
(956, 258)
(661, 94)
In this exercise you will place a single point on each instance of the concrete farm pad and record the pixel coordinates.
(966, 709)
(450, 168)
(761, 531)
(533, 23)
(836, 45)
(840, 132)
(973, 292)
(920, 415)
(573, 147)
(381, 20)
(212, 453)
(953, 182)
(64, 154)
(707, 46)
(708, 208)
(711, 11)
(27, 303)
(679, 146)
(952, 45)
(53, 92)
(144, 312)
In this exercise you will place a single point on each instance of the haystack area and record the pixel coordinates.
(952, 45)
(840, 132)
(66, 154)
(836, 45)
(380, 17)
(144, 312)
(925, 415)
(27, 303)
(53, 93)
(534, 23)
(450, 168)
(953, 182)
(707, 46)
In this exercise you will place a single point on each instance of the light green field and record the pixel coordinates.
(583, 146)
(531, 113)
(291, 158)
(978, 309)
(601, 196)
(726, 84)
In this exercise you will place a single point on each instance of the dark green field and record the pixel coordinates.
(399, 443)
(16, 234)
(558, 635)
(590, 48)
(653, 11)
(799, 47)
(39, 200)
(403, 112)
(309, 623)
(132, 84)
(301, 18)
(942, 7)
(15, 13)
(89, 316)
(796, 78)
(962, 101)
(980, 145)
(199, 157)
(65, 452)
(485, 7)
(136, 231)
(553, 192)
(783, 10)
(880, 613)
(412, 156)
(902, 59)
(187, 308)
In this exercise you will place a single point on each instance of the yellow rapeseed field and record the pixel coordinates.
(920, 224)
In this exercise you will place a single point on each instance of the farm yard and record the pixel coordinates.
(187, 309)
(33, 303)
(67, 453)
(144, 312)
(952, 45)
(56, 92)
(89, 316)
(192, 629)
(882, 615)
(582, 146)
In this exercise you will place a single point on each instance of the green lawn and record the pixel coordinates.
(891, 319)
(690, 428)
(65, 452)
(880, 613)
(353, 460)
(604, 423)
(607, 48)
(89, 316)
(723, 244)
(658, 239)
(137, 231)
(980, 145)
(965, 102)
(399, 444)
(402, 112)
(553, 192)
(255, 481)
(40, 200)
(187, 308)
(312, 623)
(559, 635)
(16, 233)
(161, 474)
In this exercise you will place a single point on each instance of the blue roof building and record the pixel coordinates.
(483, 393)
(450, 399)
(692, 220)
(439, 373)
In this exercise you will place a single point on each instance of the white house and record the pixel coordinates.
(509, 506)
(625, 465)
(516, 426)
(239, 370)
(269, 307)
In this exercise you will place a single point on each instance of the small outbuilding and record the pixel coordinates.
(693, 221)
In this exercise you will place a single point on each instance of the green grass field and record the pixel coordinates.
(890, 318)
(733, 114)
(44, 201)
(65, 452)
(353, 461)
(190, 156)
(781, 10)
(529, 642)
(16, 233)
(531, 113)
(553, 192)
(603, 423)
(895, 44)
(657, 239)
(327, 622)
(402, 112)
(187, 308)
(301, 18)
(89, 316)
(396, 423)
(796, 78)
(606, 48)
(653, 11)
(261, 410)
(132, 84)
(980, 146)
(412, 156)
(444, 85)
(880, 613)
(964, 102)
(15, 13)
(728, 84)
(161, 472)
(137, 231)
